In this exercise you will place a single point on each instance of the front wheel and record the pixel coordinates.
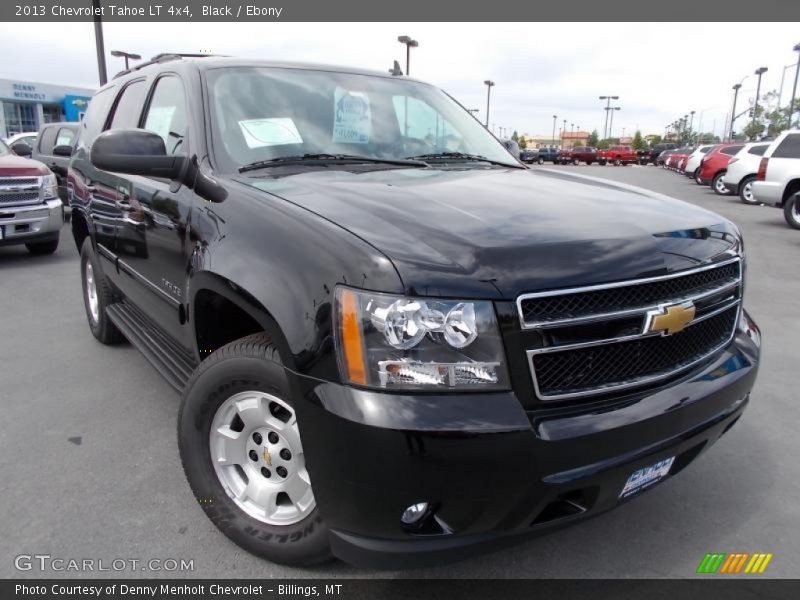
(791, 212)
(97, 296)
(540, 161)
(719, 186)
(241, 451)
(602, 162)
(746, 191)
(617, 162)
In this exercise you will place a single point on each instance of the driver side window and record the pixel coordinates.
(166, 114)
(422, 123)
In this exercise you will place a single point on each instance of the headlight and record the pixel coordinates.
(395, 343)
(50, 186)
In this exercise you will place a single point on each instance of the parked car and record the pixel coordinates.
(662, 158)
(679, 158)
(578, 154)
(28, 138)
(778, 178)
(742, 171)
(548, 155)
(30, 211)
(617, 155)
(53, 148)
(512, 147)
(693, 163)
(714, 164)
(380, 352)
(529, 155)
(651, 154)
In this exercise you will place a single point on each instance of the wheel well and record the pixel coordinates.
(80, 229)
(218, 321)
(792, 188)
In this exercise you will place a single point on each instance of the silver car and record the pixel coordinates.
(778, 179)
(742, 171)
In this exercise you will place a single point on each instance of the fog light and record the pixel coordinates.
(414, 513)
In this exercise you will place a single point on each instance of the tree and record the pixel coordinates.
(603, 144)
(638, 141)
(523, 143)
(515, 136)
(594, 138)
(654, 139)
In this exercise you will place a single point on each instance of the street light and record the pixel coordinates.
(691, 122)
(489, 85)
(608, 107)
(794, 88)
(404, 39)
(611, 125)
(736, 89)
(126, 56)
(563, 133)
(554, 130)
(760, 71)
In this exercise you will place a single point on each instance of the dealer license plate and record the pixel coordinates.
(646, 477)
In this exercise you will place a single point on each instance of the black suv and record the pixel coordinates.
(395, 343)
(53, 147)
(650, 155)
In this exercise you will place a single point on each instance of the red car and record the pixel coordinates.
(678, 159)
(618, 155)
(714, 165)
(577, 155)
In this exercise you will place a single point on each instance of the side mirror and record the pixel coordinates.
(62, 150)
(136, 152)
(21, 149)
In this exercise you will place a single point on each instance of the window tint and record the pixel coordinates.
(48, 140)
(425, 124)
(758, 150)
(166, 114)
(129, 106)
(731, 150)
(789, 147)
(65, 137)
(96, 114)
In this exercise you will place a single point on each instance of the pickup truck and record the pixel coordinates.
(617, 155)
(577, 155)
(649, 155)
(393, 347)
(547, 155)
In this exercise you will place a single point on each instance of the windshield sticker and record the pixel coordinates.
(352, 119)
(259, 133)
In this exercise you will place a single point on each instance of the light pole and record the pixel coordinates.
(794, 88)
(404, 39)
(760, 71)
(98, 42)
(691, 122)
(126, 56)
(489, 83)
(736, 89)
(608, 107)
(554, 130)
(611, 125)
(563, 133)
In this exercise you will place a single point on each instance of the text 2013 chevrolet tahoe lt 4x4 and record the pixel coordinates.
(394, 342)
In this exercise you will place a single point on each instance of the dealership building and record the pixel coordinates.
(27, 105)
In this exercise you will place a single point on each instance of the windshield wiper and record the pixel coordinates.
(462, 156)
(323, 158)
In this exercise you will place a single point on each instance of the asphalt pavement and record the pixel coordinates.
(90, 466)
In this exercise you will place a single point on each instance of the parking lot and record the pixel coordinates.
(91, 468)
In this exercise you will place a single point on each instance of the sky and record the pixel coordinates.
(660, 71)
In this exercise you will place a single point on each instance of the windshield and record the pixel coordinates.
(263, 113)
(4, 149)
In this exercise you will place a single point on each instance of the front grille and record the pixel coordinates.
(642, 360)
(539, 309)
(596, 339)
(19, 191)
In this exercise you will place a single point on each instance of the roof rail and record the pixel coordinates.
(159, 58)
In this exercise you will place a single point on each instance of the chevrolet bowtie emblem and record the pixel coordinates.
(267, 457)
(669, 319)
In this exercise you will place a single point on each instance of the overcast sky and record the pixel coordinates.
(661, 71)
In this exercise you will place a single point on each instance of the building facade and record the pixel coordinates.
(27, 105)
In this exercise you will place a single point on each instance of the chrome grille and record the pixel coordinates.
(20, 191)
(601, 338)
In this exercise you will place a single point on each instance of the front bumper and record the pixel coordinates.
(493, 472)
(24, 224)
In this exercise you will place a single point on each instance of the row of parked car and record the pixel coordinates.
(618, 155)
(758, 172)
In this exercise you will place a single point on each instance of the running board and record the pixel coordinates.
(172, 361)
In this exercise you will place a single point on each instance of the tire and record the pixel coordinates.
(576, 162)
(540, 161)
(248, 371)
(97, 296)
(42, 248)
(617, 161)
(696, 176)
(719, 186)
(746, 191)
(791, 211)
(602, 162)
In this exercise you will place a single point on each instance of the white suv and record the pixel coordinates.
(742, 170)
(778, 179)
(693, 164)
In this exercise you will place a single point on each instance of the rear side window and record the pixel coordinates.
(65, 137)
(96, 114)
(758, 150)
(705, 149)
(129, 106)
(731, 150)
(789, 147)
(47, 141)
(166, 114)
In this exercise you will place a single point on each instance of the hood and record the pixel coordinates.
(495, 233)
(19, 166)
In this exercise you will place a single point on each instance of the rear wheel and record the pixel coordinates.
(242, 453)
(41, 248)
(718, 185)
(575, 161)
(696, 176)
(746, 190)
(791, 212)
